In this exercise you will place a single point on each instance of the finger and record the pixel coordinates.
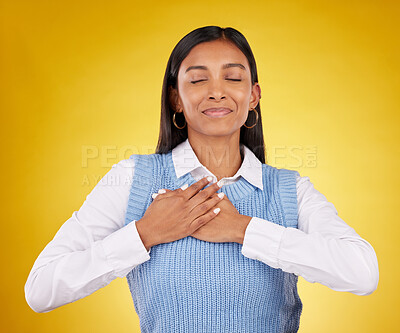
(196, 187)
(205, 218)
(169, 193)
(160, 191)
(184, 187)
(205, 206)
(203, 195)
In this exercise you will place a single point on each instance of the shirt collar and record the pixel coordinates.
(185, 160)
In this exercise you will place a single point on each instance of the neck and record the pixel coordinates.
(220, 155)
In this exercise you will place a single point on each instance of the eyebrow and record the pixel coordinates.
(225, 66)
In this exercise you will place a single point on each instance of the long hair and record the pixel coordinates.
(170, 136)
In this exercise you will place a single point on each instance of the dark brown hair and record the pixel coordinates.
(170, 136)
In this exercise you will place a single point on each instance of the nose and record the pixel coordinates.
(216, 90)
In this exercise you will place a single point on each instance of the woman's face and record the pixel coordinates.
(215, 75)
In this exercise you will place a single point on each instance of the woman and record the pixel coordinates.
(210, 238)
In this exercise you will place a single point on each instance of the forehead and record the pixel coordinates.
(217, 52)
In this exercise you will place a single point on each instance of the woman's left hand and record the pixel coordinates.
(228, 226)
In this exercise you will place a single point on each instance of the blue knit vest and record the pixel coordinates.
(192, 286)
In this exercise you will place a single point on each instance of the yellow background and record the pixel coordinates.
(89, 73)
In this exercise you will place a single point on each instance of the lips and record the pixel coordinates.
(217, 112)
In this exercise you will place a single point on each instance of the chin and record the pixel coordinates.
(219, 131)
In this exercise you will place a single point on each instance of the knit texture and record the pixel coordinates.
(191, 285)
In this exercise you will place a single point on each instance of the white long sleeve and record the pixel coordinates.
(91, 248)
(323, 249)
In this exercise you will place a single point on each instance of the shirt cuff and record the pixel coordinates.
(124, 249)
(262, 240)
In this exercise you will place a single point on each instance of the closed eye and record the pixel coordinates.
(194, 82)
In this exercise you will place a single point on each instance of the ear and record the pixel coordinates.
(255, 95)
(174, 98)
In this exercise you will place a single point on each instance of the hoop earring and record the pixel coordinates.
(173, 120)
(252, 109)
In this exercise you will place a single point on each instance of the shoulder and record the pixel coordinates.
(307, 193)
(303, 182)
(121, 170)
(280, 173)
(291, 180)
(142, 162)
(136, 159)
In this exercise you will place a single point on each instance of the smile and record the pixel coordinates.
(216, 112)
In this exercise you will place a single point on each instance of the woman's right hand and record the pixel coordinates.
(177, 214)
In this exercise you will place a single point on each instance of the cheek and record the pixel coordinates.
(240, 94)
(191, 99)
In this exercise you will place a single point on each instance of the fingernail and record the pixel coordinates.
(221, 195)
(184, 187)
(154, 195)
(162, 191)
(216, 210)
(219, 183)
(209, 178)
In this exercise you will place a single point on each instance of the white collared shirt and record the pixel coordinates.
(185, 160)
(94, 247)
